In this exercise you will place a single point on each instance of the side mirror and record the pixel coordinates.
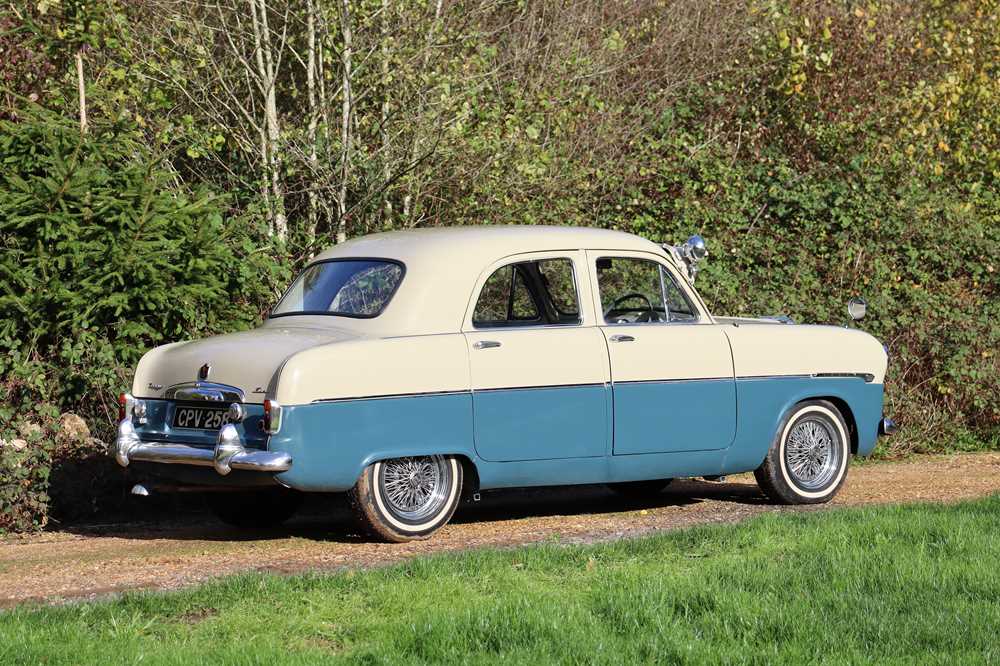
(857, 308)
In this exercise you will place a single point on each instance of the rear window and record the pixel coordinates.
(342, 287)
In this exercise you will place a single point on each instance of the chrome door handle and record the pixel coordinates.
(485, 344)
(622, 338)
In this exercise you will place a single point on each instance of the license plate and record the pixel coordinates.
(201, 418)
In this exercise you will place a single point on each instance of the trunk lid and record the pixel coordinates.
(249, 360)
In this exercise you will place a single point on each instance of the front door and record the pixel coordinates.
(540, 373)
(671, 368)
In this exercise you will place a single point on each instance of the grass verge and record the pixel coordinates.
(914, 584)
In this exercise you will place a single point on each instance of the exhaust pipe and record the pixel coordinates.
(140, 490)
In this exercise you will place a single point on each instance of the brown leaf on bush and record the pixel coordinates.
(72, 429)
(28, 428)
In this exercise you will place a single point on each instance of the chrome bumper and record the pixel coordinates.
(887, 427)
(227, 455)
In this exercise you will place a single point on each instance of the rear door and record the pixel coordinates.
(539, 367)
(671, 367)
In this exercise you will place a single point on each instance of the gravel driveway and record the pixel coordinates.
(97, 560)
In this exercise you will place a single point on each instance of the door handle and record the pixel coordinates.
(622, 338)
(485, 344)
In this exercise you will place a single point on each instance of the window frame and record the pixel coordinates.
(695, 314)
(540, 323)
(327, 313)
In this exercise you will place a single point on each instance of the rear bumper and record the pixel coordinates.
(887, 427)
(228, 454)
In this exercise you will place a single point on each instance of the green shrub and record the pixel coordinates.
(104, 257)
(25, 467)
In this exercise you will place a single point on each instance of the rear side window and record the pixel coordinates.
(505, 298)
(529, 293)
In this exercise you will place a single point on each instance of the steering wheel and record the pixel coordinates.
(650, 312)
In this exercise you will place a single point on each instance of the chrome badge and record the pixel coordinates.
(204, 371)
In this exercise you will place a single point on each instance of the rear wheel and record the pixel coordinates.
(639, 489)
(808, 459)
(405, 499)
(255, 509)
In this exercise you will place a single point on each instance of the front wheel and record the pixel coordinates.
(405, 499)
(807, 462)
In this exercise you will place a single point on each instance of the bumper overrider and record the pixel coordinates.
(228, 454)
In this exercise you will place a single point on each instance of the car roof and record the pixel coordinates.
(443, 265)
(486, 243)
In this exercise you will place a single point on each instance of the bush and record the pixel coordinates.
(25, 466)
(103, 258)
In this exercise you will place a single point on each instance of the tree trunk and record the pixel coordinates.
(83, 91)
(268, 79)
(311, 69)
(413, 193)
(345, 122)
(386, 163)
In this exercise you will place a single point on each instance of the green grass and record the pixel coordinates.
(915, 584)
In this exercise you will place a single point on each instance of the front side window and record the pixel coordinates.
(640, 291)
(348, 288)
(526, 293)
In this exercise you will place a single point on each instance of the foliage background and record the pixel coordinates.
(826, 149)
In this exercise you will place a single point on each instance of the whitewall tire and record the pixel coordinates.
(405, 499)
(808, 459)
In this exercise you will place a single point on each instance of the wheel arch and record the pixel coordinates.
(470, 474)
(764, 404)
(846, 413)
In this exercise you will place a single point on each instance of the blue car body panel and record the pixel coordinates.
(332, 442)
(547, 423)
(674, 416)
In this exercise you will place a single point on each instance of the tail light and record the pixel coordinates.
(272, 417)
(125, 402)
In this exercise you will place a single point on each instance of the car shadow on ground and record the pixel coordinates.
(518, 503)
(327, 517)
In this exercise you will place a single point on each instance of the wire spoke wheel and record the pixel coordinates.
(415, 488)
(812, 453)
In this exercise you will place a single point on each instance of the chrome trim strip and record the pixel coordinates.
(676, 381)
(867, 376)
(542, 387)
(389, 396)
(418, 394)
(204, 391)
(421, 394)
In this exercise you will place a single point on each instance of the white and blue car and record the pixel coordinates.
(413, 368)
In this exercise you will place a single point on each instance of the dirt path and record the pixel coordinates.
(93, 561)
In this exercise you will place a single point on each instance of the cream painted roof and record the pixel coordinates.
(443, 265)
(485, 244)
